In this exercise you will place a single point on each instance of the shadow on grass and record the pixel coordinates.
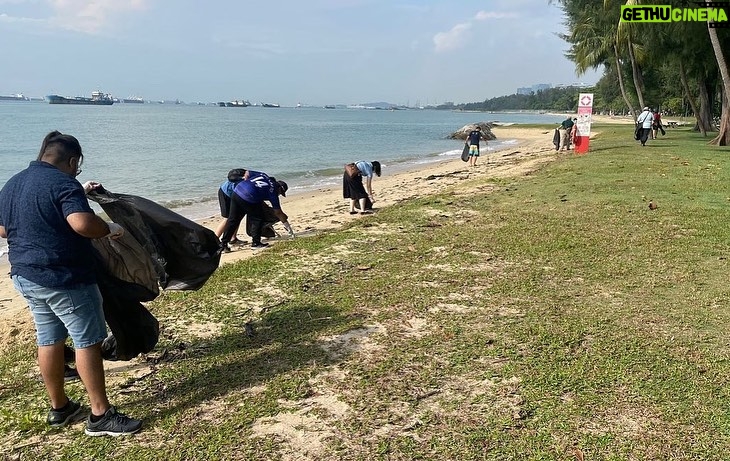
(286, 340)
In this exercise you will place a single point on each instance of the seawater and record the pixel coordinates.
(178, 155)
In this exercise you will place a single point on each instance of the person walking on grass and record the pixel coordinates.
(248, 199)
(657, 125)
(645, 120)
(473, 139)
(49, 225)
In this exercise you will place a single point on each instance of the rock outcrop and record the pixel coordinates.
(464, 131)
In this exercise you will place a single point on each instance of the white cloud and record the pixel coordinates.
(19, 20)
(453, 39)
(91, 16)
(457, 37)
(484, 15)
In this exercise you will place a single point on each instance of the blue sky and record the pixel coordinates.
(288, 51)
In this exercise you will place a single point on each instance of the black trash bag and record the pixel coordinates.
(165, 250)
(184, 253)
(270, 219)
(134, 330)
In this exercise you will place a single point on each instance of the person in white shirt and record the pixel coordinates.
(646, 120)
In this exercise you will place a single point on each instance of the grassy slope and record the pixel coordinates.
(549, 316)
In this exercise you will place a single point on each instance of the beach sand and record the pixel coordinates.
(324, 209)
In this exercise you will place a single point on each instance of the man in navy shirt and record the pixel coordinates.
(48, 222)
(247, 199)
(473, 139)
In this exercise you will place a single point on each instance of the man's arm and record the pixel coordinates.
(281, 216)
(88, 225)
(3, 234)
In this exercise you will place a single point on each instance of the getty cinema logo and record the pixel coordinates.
(714, 13)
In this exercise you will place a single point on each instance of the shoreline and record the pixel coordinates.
(208, 208)
(324, 209)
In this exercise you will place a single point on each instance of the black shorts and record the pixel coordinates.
(225, 202)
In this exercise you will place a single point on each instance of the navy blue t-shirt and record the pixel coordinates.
(43, 247)
(474, 137)
(257, 188)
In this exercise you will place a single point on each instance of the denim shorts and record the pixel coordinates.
(60, 312)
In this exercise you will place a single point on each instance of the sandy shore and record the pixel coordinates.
(323, 209)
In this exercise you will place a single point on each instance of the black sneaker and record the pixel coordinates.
(113, 423)
(70, 374)
(259, 245)
(226, 248)
(61, 417)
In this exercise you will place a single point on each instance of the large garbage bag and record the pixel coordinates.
(160, 248)
(185, 254)
(270, 219)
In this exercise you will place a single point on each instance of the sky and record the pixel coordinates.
(311, 52)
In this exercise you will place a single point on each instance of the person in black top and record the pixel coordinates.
(473, 140)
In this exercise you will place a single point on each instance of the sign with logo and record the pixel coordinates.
(713, 13)
(583, 131)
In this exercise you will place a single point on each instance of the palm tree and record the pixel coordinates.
(724, 135)
(625, 33)
(593, 39)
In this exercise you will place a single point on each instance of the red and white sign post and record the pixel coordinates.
(585, 112)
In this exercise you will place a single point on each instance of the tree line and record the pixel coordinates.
(678, 67)
(550, 99)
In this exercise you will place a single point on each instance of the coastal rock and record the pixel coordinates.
(464, 131)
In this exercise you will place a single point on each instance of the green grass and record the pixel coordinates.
(544, 317)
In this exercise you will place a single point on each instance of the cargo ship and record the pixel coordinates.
(14, 97)
(133, 100)
(235, 103)
(97, 99)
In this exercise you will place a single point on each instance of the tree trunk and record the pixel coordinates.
(621, 83)
(704, 115)
(724, 135)
(692, 103)
(638, 79)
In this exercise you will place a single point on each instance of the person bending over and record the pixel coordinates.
(225, 191)
(360, 193)
(247, 199)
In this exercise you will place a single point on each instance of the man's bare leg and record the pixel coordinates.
(91, 370)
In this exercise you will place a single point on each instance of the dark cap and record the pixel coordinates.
(282, 188)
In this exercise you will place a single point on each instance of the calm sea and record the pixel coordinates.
(178, 155)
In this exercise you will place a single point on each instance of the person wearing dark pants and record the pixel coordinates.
(247, 199)
(646, 120)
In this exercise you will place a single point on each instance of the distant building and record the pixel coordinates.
(572, 85)
(534, 88)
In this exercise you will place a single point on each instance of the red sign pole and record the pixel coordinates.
(583, 132)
